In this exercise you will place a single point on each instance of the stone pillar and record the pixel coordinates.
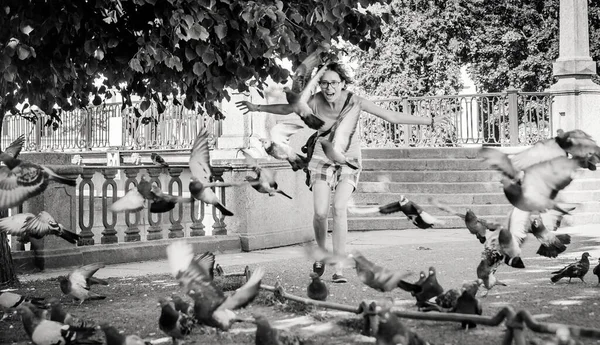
(60, 201)
(576, 97)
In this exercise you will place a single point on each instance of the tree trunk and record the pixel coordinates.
(8, 276)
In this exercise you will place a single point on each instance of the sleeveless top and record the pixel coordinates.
(352, 111)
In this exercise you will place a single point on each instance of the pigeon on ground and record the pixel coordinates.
(412, 211)
(596, 272)
(58, 314)
(21, 180)
(299, 102)
(575, 270)
(534, 188)
(211, 306)
(467, 303)
(486, 270)
(267, 335)
(415, 287)
(551, 243)
(444, 302)
(391, 331)
(378, 277)
(264, 182)
(429, 288)
(158, 160)
(278, 145)
(77, 283)
(114, 337)
(477, 226)
(200, 186)
(27, 225)
(173, 323)
(10, 300)
(47, 332)
(317, 289)
(14, 149)
(182, 306)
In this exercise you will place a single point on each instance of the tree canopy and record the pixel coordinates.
(502, 43)
(51, 52)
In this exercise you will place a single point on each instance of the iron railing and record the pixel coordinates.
(509, 118)
(99, 187)
(109, 126)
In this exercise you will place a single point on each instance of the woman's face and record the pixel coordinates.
(331, 86)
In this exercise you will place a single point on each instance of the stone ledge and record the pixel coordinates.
(120, 252)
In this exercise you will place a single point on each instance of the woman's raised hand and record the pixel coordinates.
(247, 106)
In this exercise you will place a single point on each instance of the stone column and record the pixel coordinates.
(60, 201)
(576, 97)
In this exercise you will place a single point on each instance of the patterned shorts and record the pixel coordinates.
(322, 169)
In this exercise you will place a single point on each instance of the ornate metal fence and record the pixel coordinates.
(509, 118)
(98, 127)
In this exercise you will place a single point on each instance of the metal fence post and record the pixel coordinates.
(513, 115)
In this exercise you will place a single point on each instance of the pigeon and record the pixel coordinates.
(551, 244)
(14, 149)
(414, 212)
(490, 260)
(467, 303)
(278, 145)
(211, 306)
(77, 283)
(134, 199)
(164, 202)
(378, 277)
(333, 150)
(182, 306)
(429, 288)
(47, 332)
(299, 102)
(158, 160)
(596, 272)
(135, 159)
(534, 188)
(317, 289)
(10, 300)
(220, 280)
(444, 302)
(200, 185)
(574, 270)
(267, 335)
(58, 314)
(21, 180)
(415, 287)
(508, 240)
(476, 226)
(391, 331)
(264, 182)
(114, 337)
(26, 225)
(172, 322)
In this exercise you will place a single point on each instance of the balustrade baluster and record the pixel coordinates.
(176, 229)
(109, 235)
(86, 235)
(219, 227)
(132, 234)
(155, 229)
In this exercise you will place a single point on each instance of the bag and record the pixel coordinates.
(309, 147)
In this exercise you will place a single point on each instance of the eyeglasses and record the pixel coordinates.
(325, 84)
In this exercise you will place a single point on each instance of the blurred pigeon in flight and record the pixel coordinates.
(114, 337)
(412, 211)
(278, 145)
(486, 270)
(27, 225)
(14, 149)
(477, 226)
(264, 182)
(172, 322)
(551, 243)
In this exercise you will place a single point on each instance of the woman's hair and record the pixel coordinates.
(341, 71)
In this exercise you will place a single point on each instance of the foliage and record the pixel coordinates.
(52, 51)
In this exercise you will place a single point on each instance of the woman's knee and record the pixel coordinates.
(339, 208)
(321, 215)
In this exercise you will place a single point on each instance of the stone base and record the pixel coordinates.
(119, 252)
(275, 239)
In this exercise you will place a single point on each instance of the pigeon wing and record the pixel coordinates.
(311, 85)
(245, 294)
(519, 224)
(281, 132)
(14, 225)
(541, 151)
(548, 178)
(200, 157)
(15, 147)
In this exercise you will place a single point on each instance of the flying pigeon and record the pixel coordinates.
(264, 182)
(278, 145)
(477, 226)
(26, 225)
(172, 322)
(412, 211)
(77, 283)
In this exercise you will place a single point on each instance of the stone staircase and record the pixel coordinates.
(455, 176)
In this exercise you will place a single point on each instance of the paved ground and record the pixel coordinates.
(356, 240)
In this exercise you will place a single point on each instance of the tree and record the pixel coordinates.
(51, 52)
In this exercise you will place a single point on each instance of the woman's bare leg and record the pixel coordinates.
(342, 195)
(321, 195)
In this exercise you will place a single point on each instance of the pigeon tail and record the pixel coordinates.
(94, 280)
(390, 208)
(515, 262)
(299, 162)
(223, 210)
(557, 277)
(561, 210)
(69, 236)
(58, 178)
(551, 250)
(351, 165)
(284, 194)
(312, 121)
(94, 296)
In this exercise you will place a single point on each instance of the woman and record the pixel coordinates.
(332, 103)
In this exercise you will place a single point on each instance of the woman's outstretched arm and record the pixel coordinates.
(279, 109)
(394, 116)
